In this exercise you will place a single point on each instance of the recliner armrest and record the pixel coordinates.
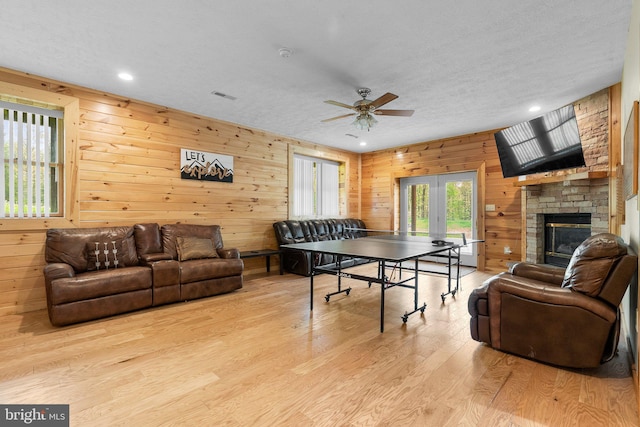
(229, 253)
(544, 273)
(474, 304)
(544, 293)
(58, 270)
(147, 259)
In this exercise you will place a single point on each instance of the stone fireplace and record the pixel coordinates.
(563, 233)
(578, 196)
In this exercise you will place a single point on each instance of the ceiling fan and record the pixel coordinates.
(364, 109)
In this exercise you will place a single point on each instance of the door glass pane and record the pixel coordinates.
(418, 207)
(459, 207)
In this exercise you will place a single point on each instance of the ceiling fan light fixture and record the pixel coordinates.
(364, 121)
(285, 52)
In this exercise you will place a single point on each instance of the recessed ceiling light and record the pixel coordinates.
(534, 108)
(363, 143)
(125, 76)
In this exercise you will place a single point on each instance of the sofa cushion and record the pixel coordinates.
(148, 238)
(98, 284)
(194, 248)
(591, 262)
(205, 269)
(171, 231)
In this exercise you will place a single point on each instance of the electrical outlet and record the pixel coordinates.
(507, 250)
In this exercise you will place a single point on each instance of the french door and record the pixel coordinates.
(440, 206)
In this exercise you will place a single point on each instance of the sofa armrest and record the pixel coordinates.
(58, 270)
(147, 259)
(228, 253)
(538, 292)
(544, 273)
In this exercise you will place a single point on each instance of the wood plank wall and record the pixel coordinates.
(129, 172)
(382, 170)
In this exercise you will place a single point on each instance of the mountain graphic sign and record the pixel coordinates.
(205, 166)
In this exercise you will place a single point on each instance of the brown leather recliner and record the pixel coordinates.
(567, 317)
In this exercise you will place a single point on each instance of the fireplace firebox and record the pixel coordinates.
(563, 233)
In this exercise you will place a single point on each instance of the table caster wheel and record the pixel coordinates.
(327, 298)
(443, 296)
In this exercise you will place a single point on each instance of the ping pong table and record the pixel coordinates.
(390, 251)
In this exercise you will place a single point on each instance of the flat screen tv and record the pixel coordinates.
(547, 143)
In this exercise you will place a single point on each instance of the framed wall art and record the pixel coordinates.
(630, 151)
(205, 166)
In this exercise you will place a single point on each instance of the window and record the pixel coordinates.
(61, 198)
(315, 187)
(31, 160)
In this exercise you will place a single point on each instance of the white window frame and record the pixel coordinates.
(68, 205)
(316, 187)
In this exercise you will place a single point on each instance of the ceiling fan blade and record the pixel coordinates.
(387, 97)
(405, 113)
(340, 104)
(338, 117)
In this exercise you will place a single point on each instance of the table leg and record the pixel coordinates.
(415, 295)
(382, 287)
(415, 291)
(311, 284)
(452, 253)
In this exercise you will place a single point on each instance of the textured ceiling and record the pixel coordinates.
(463, 66)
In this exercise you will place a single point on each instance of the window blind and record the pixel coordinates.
(28, 160)
(316, 187)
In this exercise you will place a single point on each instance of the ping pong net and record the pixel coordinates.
(447, 239)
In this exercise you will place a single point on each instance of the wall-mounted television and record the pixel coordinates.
(547, 143)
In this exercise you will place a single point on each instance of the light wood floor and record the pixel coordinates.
(256, 357)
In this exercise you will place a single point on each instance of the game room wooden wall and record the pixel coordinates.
(129, 171)
(128, 160)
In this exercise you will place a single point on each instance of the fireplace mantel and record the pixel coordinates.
(561, 178)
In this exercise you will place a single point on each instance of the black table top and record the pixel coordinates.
(387, 247)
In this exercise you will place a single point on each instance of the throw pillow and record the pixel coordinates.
(105, 254)
(194, 248)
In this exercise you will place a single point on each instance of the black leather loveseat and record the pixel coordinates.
(299, 231)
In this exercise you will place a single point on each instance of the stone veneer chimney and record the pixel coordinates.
(570, 196)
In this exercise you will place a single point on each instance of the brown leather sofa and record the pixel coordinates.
(98, 272)
(299, 231)
(566, 317)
